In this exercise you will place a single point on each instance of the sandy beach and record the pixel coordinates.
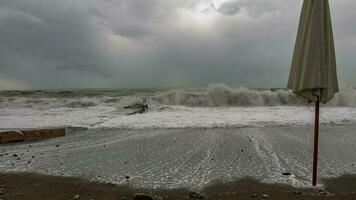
(186, 158)
(37, 187)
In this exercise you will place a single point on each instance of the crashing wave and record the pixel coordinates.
(222, 95)
(80, 104)
(215, 95)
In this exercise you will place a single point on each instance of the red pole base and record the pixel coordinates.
(316, 140)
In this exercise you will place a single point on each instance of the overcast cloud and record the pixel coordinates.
(158, 43)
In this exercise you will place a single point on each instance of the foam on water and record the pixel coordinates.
(190, 158)
(174, 117)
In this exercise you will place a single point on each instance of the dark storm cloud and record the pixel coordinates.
(47, 30)
(254, 8)
(229, 8)
(135, 43)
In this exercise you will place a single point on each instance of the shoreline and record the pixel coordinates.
(32, 186)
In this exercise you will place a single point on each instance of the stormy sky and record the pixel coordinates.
(158, 43)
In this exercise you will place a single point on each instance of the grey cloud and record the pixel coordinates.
(135, 43)
(254, 8)
(229, 8)
(51, 33)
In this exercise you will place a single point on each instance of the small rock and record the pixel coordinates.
(242, 150)
(286, 174)
(33, 156)
(14, 155)
(141, 196)
(264, 196)
(77, 196)
(123, 198)
(297, 192)
(57, 145)
(125, 163)
(254, 195)
(127, 177)
(320, 190)
(2, 191)
(195, 195)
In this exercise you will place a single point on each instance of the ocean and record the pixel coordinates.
(216, 106)
(187, 138)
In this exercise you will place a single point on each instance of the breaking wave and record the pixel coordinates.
(215, 95)
(222, 95)
(80, 104)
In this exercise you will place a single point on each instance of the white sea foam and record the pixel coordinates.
(172, 117)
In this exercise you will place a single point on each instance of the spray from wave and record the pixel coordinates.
(222, 95)
(215, 95)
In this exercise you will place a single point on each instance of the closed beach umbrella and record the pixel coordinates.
(313, 72)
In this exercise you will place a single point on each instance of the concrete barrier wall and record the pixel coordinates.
(30, 134)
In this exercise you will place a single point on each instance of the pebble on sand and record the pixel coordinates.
(195, 195)
(2, 191)
(264, 196)
(141, 196)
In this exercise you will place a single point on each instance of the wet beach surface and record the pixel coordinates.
(21, 186)
(187, 158)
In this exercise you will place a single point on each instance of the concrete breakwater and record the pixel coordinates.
(30, 134)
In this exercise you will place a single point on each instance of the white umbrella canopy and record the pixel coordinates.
(313, 73)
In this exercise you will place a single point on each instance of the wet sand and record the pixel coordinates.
(187, 158)
(37, 187)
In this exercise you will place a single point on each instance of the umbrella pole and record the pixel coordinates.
(316, 140)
